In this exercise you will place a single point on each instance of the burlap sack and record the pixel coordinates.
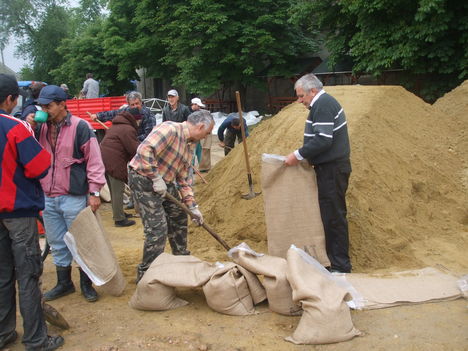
(292, 211)
(91, 249)
(278, 290)
(227, 291)
(105, 194)
(326, 318)
(402, 288)
(257, 290)
(156, 289)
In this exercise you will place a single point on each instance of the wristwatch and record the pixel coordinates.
(94, 193)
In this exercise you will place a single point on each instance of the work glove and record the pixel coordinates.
(159, 186)
(198, 214)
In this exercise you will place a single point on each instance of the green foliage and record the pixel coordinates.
(202, 44)
(40, 25)
(85, 53)
(426, 38)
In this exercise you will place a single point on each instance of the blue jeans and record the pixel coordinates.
(58, 215)
(20, 259)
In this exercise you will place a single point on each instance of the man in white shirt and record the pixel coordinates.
(90, 87)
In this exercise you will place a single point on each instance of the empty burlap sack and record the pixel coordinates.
(227, 291)
(91, 249)
(402, 288)
(273, 269)
(105, 194)
(292, 211)
(326, 317)
(156, 289)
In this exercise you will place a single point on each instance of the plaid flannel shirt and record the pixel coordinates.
(167, 151)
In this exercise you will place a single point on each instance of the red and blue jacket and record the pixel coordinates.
(23, 162)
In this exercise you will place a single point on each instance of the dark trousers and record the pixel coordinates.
(332, 183)
(230, 140)
(20, 259)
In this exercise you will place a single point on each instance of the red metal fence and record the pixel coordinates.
(80, 107)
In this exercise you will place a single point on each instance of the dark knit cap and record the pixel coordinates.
(8, 85)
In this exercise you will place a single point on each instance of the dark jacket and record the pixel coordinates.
(148, 120)
(29, 107)
(119, 145)
(180, 114)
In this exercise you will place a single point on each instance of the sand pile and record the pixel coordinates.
(406, 203)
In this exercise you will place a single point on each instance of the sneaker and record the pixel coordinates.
(124, 223)
(8, 339)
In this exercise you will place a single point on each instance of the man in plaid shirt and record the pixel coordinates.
(161, 165)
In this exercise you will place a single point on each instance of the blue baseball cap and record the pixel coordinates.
(51, 93)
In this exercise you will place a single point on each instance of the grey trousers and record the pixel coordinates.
(20, 259)
(116, 188)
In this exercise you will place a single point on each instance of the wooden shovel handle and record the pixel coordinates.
(97, 120)
(204, 225)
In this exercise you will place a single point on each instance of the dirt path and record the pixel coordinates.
(111, 325)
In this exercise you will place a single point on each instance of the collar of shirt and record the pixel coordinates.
(320, 93)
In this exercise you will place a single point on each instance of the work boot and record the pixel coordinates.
(87, 289)
(8, 339)
(52, 343)
(64, 284)
(124, 223)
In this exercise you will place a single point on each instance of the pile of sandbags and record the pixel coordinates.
(229, 288)
(292, 286)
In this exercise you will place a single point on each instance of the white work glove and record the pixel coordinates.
(159, 186)
(197, 213)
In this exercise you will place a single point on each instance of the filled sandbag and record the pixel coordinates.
(292, 212)
(88, 242)
(278, 290)
(256, 288)
(326, 317)
(156, 289)
(227, 291)
(382, 290)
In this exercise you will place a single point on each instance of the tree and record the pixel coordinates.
(426, 38)
(202, 44)
(40, 25)
(85, 53)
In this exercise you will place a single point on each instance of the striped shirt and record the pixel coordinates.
(325, 133)
(168, 152)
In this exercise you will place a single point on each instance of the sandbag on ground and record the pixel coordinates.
(326, 317)
(394, 289)
(91, 249)
(292, 212)
(156, 289)
(227, 291)
(273, 269)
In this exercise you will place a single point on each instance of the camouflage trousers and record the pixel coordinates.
(230, 140)
(161, 219)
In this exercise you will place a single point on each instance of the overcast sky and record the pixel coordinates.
(17, 63)
(12, 62)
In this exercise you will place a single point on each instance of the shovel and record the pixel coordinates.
(98, 121)
(204, 225)
(251, 193)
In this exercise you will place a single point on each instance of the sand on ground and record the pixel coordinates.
(407, 209)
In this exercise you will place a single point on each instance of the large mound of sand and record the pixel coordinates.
(406, 200)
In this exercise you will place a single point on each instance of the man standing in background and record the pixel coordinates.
(90, 87)
(174, 111)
